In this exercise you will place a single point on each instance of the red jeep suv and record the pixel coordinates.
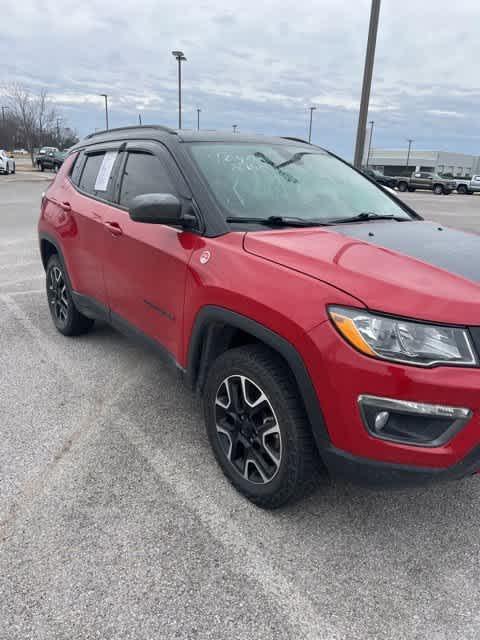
(326, 325)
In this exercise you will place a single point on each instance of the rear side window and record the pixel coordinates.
(76, 169)
(90, 172)
(144, 173)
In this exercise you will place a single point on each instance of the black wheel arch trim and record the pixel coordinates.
(48, 238)
(211, 321)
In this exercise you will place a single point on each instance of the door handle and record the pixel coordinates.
(66, 206)
(114, 228)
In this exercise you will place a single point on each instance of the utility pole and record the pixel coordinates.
(367, 83)
(234, 127)
(58, 130)
(198, 119)
(105, 95)
(140, 119)
(371, 123)
(180, 57)
(312, 109)
(409, 140)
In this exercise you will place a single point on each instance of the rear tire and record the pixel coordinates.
(65, 316)
(265, 447)
(402, 186)
(462, 189)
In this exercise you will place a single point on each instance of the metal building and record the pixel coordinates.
(393, 162)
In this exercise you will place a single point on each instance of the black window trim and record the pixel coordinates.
(163, 154)
(92, 151)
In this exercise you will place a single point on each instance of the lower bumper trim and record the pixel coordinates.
(373, 473)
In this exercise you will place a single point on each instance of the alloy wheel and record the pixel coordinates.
(58, 294)
(248, 429)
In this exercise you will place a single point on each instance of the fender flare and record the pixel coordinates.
(211, 319)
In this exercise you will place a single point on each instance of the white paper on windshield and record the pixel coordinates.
(106, 167)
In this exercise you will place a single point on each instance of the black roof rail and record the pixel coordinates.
(130, 128)
(295, 139)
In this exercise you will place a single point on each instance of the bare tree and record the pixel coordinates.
(34, 115)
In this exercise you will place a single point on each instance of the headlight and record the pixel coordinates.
(403, 340)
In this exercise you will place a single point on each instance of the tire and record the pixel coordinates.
(41, 166)
(411, 189)
(462, 188)
(438, 189)
(65, 316)
(269, 455)
(402, 186)
(14, 168)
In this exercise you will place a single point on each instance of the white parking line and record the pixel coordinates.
(246, 557)
(39, 337)
(25, 292)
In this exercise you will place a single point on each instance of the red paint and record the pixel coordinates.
(157, 278)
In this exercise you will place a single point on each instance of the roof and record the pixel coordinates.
(158, 132)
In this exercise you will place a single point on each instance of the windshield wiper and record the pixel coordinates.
(366, 216)
(279, 221)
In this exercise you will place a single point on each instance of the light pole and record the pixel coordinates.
(312, 109)
(367, 83)
(140, 119)
(180, 57)
(198, 119)
(234, 127)
(372, 124)
(105, 95)
(409, 140)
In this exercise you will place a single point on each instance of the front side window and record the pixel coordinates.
(263, 180)
(144, 173)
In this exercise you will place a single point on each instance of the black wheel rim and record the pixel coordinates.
(58, 295)
(248, 429)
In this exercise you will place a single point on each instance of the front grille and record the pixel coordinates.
(475, 333)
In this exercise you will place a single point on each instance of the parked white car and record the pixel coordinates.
(7, 165)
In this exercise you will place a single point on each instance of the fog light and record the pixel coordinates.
(381, 420)
(415, 423)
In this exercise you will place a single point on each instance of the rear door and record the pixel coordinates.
(89, 202)
(146, 264)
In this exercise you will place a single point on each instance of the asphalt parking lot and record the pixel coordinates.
(116, 523)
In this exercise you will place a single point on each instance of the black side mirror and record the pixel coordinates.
(156, 208)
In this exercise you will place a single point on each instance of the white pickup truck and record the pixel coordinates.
(468, 186)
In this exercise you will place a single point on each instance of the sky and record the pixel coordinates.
(257, 64)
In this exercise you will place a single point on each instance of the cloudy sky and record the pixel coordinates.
(258, 64)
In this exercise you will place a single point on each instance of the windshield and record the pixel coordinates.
(261, 180)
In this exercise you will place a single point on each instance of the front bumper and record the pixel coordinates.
(373, 473)
(341, 375)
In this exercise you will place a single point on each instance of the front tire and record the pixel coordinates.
(438, 190)
(66, 317)
(258, 428)
(402, 186)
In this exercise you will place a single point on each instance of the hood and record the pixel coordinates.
(415, 269)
